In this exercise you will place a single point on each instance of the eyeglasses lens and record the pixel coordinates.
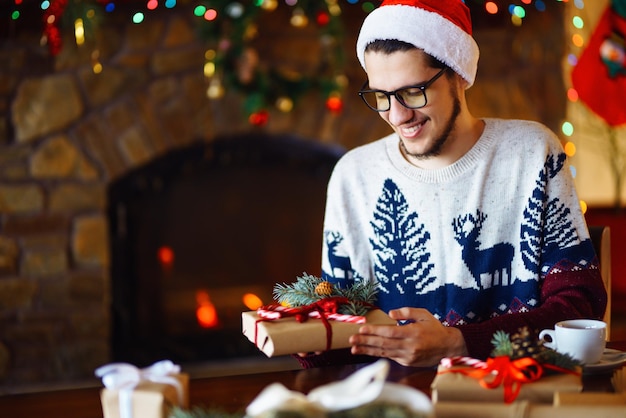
(410, 97)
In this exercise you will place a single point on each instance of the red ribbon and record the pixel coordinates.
(325, 307)
(511, 374)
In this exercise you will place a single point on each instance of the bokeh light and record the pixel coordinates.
(569, 148)
(578, 22)
(138, 17)
(567, 128)
(210, 15)
(491, 7)
(199, 10)
(252, 301)
(578, 40)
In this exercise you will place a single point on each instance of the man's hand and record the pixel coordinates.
(424, 341)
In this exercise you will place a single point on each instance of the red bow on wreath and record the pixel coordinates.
(325, 309)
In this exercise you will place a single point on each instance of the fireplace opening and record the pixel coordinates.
(204, 233)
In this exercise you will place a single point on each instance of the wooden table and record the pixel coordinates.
(233, 393)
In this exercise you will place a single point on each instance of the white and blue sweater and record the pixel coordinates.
(500, 231)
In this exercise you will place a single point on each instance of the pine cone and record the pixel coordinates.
(324, 289)
(525, 344)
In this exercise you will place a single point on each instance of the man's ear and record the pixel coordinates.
(461, 83)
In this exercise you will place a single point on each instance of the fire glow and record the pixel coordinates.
(165, 255)
(252, 301)
(206, 314)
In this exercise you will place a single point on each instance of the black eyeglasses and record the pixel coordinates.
(412, 97)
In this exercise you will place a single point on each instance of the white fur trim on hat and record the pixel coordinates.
(426, 30)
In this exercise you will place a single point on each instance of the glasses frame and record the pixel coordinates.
(388, 94)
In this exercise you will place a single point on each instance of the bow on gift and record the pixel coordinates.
(324, 309)
(366, 385)
(501, 370)
(125, 377)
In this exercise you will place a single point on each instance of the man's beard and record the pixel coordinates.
(437, 146)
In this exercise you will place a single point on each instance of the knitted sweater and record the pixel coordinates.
(495, 241)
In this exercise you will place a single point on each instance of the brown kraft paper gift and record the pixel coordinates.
(288, 336)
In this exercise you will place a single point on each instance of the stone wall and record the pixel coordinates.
(66, 133)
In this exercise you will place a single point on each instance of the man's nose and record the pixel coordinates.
(398, 114)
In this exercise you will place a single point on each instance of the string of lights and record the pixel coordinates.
(579, 32)
(230, 26)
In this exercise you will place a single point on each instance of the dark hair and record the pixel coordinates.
(389, 46)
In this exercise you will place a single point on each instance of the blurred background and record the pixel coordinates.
(163, 163)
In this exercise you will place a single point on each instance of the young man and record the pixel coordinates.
(468, 225)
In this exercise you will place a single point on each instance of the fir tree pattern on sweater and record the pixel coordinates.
(400, 245)
(403, 270)
(467, 243)
(392, 223)
(404, 260)
(553, 232)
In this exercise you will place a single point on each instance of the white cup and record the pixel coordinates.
(582, 339)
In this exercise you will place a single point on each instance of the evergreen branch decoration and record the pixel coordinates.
(308, 289)
(236, 64)
(525, 344)
(502, 344)
(230, 30)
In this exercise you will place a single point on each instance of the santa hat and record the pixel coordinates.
(442, 28)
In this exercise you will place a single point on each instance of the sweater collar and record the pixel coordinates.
(454, 170)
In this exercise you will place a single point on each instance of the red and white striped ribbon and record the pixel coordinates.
(278, 311)
(449, 362)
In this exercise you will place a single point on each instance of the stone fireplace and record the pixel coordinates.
(204, 233)
(69, 139)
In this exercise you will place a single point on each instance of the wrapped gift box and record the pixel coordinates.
(450, 385)
(525, 409)
(148, 399)
(288, 336)
(130, 392)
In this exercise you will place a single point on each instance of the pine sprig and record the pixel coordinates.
(525, 344)
(502, 344)
(299, 293)
(363, 291)
(564, 361)
(361, 294)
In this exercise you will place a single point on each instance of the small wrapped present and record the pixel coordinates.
(525, 409)
(501, 379)
(131, 392)
(364, 393)
(277, 330)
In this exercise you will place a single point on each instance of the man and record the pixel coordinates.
(468, 225)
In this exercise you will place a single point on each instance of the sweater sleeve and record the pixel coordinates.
(564, 294)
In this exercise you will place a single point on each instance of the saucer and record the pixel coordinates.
(611, 359)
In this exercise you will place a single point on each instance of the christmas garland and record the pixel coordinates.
(234, 64)
(229, 29)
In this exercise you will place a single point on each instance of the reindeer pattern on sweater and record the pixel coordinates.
(468, 242)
